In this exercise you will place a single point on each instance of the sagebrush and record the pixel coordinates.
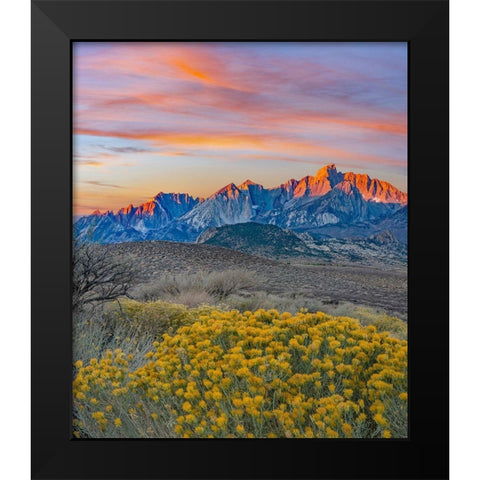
(251, 374)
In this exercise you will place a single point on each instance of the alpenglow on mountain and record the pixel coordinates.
(349, 202)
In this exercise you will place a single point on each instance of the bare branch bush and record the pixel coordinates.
(98, 276)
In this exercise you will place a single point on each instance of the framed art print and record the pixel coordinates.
(242, 269)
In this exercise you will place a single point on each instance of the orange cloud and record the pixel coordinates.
(220, 140)
(191, 71)
(200, 64)
(277, 144)
(91, 163)
(391, 126)
(174, 154)
(254, 110)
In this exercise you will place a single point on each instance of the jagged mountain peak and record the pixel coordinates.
(247, 183)
(289, 186)
(173, 196)
(229, 189)
(376, 190)
(126, 210)
(326, 170)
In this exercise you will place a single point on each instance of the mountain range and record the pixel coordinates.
(330, 203)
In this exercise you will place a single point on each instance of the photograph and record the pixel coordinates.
(240, 240)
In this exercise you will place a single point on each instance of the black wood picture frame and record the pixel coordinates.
(424, 25)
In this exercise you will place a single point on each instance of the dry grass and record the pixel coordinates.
(130, 325)
(195, 289)
(94, 334)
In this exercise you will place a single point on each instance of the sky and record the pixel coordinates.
(193, 117)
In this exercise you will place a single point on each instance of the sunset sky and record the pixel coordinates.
(193, 117)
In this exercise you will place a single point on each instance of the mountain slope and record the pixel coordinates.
(273, 242)
(263, 240)
(135, 223)
(343, 204)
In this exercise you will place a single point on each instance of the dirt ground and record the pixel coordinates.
(374, 287)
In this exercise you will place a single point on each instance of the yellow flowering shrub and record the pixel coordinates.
(251, 374)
